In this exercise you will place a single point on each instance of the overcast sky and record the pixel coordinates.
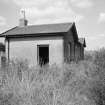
(89, 16)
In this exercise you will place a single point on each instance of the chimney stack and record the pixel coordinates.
(23, 22)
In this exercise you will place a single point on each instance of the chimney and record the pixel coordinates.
(23, 22)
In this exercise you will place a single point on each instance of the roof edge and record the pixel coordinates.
(1, 35)
(38, 35)
(74, 30)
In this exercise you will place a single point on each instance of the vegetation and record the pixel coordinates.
(80, 83)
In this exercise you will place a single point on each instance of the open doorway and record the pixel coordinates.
(43, 54)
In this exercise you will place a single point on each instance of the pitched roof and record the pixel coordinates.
(82, 41)
(38, 29)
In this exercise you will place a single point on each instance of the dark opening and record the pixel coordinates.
(43, 54)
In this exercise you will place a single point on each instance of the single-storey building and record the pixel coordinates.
(44, 44)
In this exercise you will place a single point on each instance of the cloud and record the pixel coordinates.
(101, 17)
(38, 3)
(2, 21)
(99, 40)
(5, 1)
(52, 14)
(82, 3)
(49, 11)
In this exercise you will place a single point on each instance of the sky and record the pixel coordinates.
(88, 15)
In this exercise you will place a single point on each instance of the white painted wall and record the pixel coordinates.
(26, 48)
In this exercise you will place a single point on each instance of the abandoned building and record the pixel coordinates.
(44, 44)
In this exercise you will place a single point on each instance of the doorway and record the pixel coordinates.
(43, 54)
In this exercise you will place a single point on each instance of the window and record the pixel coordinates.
(42, 54)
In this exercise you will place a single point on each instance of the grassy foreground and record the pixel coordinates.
(81, 83)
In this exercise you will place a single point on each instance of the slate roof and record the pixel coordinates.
(38, 29)
(82, 41)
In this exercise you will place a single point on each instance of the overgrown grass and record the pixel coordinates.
(79, 83)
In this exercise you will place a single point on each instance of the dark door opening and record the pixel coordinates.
(43, 54)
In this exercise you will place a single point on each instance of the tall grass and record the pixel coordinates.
(80, 83)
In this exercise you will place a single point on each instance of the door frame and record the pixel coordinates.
(38, 46)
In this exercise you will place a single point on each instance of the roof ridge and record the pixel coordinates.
(48, 24)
